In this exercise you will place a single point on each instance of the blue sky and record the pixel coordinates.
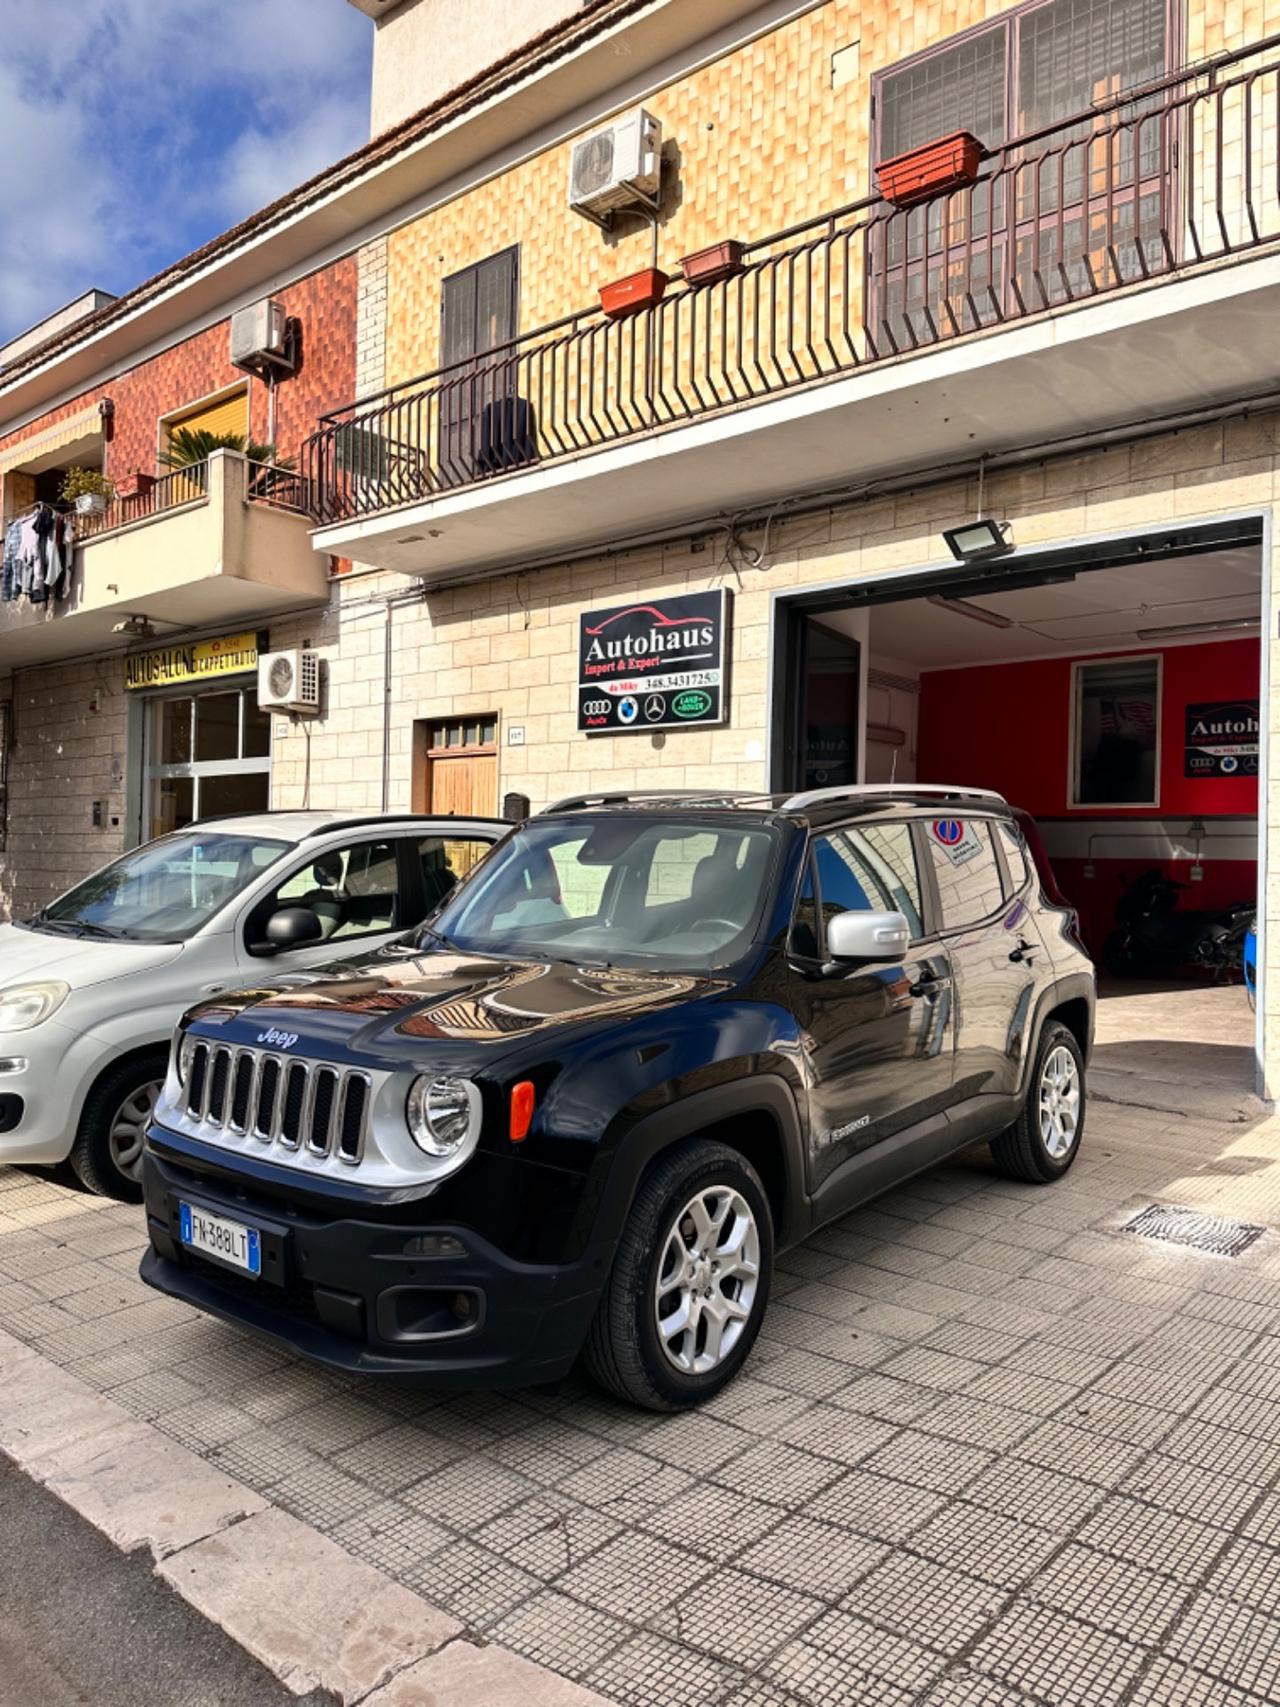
(132, 131)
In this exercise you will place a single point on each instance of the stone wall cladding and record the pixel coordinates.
(65, 755)
(510, 645)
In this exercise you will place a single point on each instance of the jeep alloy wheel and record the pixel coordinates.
(690, 1280)
(706, 1283)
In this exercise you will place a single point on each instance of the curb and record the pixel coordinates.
(312, 1613)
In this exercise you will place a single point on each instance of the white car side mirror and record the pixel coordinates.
(867, 936)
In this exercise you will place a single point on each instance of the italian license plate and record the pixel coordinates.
(225, 1241)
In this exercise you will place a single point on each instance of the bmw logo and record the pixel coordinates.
(628, 710)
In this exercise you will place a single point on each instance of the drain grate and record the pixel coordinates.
(1211, 1233)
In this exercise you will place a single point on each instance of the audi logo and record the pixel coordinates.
(595, 707)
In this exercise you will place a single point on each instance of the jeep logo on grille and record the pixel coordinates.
(278, 1039)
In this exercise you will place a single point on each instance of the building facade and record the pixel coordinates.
(700, 545)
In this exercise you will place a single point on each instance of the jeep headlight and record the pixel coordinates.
(184, 1047)
(25, 1005)
(443, 1116)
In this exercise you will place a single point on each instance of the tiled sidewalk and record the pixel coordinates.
(990, 1451)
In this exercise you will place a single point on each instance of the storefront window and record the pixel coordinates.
(206, 754)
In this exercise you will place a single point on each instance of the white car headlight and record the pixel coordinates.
(443, 1116)
(25, 1005)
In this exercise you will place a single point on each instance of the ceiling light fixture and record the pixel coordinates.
(962, 607)
(975, 540)
(137, 626)
(1222, 625)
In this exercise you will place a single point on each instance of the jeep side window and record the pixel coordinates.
(964, 864)
(870, 868)
(1015, 855)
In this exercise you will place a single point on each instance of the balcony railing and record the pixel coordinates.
(183, 486)
(1171, 176)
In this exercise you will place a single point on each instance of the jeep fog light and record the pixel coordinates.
(443, 1115)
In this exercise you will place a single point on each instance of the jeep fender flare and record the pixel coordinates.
(1074, 987)
(688, 1117)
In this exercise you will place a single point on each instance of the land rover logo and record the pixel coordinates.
(694, 703)
(278, 1039)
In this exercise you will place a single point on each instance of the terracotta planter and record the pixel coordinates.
(710, 265)
(630, 295)
(947, 164)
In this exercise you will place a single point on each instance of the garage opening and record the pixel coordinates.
(1114, 693)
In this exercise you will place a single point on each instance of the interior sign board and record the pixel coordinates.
(660, 664)
(1222, 738)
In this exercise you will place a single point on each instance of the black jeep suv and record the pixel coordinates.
(647, 1042)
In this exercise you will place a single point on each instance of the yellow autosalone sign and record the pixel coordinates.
(197, 661)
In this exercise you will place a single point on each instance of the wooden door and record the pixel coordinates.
(455, 767)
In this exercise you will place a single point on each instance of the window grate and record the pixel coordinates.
(1213, 1234)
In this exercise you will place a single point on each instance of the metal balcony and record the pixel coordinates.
(890, 319)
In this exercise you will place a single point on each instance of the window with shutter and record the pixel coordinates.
(478, 311)
(1048, 223)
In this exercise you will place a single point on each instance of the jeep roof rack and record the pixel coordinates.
(905, 790)
(624, 796)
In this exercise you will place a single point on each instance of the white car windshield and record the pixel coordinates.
(165, 891)
(624, 890)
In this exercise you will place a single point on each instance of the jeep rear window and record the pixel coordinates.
(628, 889)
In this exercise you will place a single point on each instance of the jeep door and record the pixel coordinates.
(877, 1038)
(997, 954)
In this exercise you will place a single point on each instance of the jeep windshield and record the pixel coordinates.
(163, 892)
(623, 890)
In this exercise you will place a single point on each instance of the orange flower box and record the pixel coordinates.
(710, 265)
(630, 295)
(921, 173)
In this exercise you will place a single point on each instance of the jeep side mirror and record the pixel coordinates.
(290, 927)
(867, 936)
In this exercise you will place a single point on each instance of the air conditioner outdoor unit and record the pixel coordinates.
(617, 168)
(260, 337)
(289, 681)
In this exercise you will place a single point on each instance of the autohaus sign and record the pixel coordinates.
(655, 664)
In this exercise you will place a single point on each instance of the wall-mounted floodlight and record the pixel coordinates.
(975, 540)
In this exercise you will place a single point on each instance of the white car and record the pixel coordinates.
(92, 986)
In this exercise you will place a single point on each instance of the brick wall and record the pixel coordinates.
(325, 302)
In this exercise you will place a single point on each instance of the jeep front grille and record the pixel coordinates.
(294, 1104)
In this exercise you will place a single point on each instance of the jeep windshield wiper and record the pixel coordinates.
(431, 931)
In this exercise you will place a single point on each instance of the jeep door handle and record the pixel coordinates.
(1025, 950)
(930, 984)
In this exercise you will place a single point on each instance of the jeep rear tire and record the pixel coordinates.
(1045, 1139)
(690, 1281)
(107, 1154)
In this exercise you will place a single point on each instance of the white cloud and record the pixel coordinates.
(134, 130)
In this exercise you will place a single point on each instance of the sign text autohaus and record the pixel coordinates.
(654, 664)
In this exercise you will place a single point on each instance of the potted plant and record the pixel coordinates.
(921, 173)
(88, 489)
(191, 447)
(717, 261)
(638, 290)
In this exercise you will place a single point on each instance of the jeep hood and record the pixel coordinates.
(31, 956)
(395, 1007)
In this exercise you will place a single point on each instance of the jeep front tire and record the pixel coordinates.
(690, 1281)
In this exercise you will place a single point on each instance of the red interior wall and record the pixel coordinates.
(1007, 727)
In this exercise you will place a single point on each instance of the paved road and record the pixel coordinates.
(84, 1625)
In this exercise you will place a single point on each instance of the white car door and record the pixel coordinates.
(355, 889)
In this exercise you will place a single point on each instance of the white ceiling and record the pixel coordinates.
(1101, 610)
